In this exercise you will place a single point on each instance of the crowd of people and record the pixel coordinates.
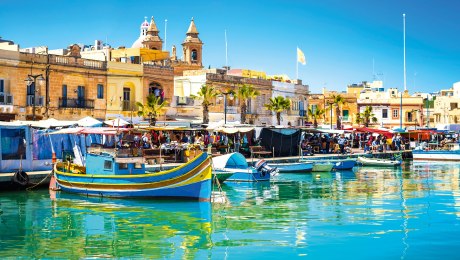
(344, 143)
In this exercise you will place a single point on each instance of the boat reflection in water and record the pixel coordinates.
(102, 227)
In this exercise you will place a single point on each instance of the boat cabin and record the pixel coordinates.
(106, 161)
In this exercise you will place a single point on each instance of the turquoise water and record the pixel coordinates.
(408, 213)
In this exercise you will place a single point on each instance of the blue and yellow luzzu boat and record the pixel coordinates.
(117, 173)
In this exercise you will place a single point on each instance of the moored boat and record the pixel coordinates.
(450, 152)
(338, 164)
(293, 167)
(343, 164)
(237, 164)
(322, 167)
(364, 161)
(221, 175)
(120, 172)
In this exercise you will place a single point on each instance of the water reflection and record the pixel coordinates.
(75, 226)
(412, 210)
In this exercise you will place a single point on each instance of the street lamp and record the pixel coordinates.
(231, 96)
(330, 106)
(32, 81)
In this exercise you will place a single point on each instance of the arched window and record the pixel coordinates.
(194, 55)
(157, 90)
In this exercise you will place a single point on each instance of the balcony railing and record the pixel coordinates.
(232, 110)
(6, 99)
(185, 101)
(38, 100)
(76, 103)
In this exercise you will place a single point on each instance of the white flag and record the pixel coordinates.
(301, 56)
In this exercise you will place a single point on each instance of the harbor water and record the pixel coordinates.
(410, 212)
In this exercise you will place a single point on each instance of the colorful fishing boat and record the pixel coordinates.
(298, 167)
(120, 172)
(237, 164)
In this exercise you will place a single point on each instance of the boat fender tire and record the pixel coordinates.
(20, 177)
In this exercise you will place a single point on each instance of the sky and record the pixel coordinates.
(344, 42)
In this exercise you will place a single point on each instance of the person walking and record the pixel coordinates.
(342, 142)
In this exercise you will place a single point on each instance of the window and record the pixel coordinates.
(126, 99)
(64, 95)
(410, 117)
(107, 165)
(81, 96)
(138, 166)
(395, 113)
(13, 144)
(314, 108)
(2, 85)
(64, 91)
(194, 55)
(384, 113)
(122, 166)
(100, 91)
(345, 114)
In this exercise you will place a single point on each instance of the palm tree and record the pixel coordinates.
(207, 93)
(244, 93)
(278, 105)
(338, 100)
(152, 108)
(366, 117)
(318, 113)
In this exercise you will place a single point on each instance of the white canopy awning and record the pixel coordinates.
(116, 122)
(89, 121)
(231, 160)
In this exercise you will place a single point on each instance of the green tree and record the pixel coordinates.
(366, 117)
(318, 113)
(207, 94)
(278, 105)
(245, 93)
(338, 101)
(152, 109)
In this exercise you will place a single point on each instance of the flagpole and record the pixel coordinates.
(297, 64)
(226, 49)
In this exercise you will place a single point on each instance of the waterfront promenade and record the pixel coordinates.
(43, 177)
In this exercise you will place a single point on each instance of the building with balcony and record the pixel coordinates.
(393, 108)
(446, 106)
(191, 82)
(297, 93)
(73, 87)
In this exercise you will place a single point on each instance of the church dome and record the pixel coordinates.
(144, 28)
(145, 24)
(138, 42)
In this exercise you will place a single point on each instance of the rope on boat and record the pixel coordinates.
(40, 182)
(219, 186)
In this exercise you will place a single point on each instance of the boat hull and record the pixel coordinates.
(293, 167)
(378, 162)
(343, 164)
(221, 175)
(322, 167)
(191, 180)
(435, 155)
(247, 175)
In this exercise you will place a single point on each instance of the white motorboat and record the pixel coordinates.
(378, 162)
